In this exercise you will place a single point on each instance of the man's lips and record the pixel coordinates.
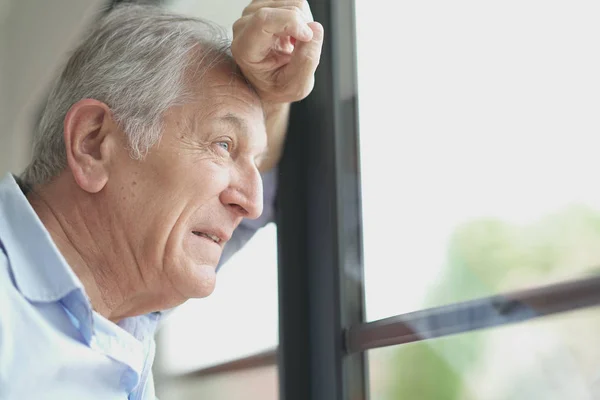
(217, 237)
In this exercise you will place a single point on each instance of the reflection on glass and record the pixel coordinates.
(238, 320)
(254, 384)
(553, 358)
(479, 128)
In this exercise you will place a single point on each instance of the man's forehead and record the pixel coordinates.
(249, 122)
(222, 95)
(237, 114)
(235, 120)
(225, 78)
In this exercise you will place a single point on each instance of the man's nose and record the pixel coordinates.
(245, 193)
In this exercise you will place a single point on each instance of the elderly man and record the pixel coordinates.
(148, 156)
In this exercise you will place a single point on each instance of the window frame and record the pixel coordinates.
(319, 225)
(319, 220)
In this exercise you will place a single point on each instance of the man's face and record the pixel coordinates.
(177, 208)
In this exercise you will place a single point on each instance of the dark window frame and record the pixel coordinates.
(319, 225)
(320, 239)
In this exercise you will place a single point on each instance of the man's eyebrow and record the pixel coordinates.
(233, 119)
(242, 126)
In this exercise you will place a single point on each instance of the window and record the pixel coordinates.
(261, 382)
(219, 346)
(475, 259)
(485, 136)
(550, 358)
(238, 320)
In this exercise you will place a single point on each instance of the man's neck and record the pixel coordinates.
(82, 249)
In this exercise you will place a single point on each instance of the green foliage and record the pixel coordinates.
(422, 372)
(485, 257)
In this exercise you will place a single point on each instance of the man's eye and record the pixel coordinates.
(224, 145)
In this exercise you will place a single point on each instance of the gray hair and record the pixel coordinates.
(138, 60)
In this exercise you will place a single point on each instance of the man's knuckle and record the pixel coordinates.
(304, 9)
(234, 48)
(237, 25)
(287, 28)
(263, 15)
(247, 10)
(301, 4)
(293, 20)
(298, 5)
(298, 12)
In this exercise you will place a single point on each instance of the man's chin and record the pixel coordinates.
(200, 251)
(203, 281)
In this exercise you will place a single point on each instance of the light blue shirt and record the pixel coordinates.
(53, 345)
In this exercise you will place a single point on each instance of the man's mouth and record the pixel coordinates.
(209, 236)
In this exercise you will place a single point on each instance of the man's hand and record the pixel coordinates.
(277, 45)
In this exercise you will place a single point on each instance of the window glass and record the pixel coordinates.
(479, 129)
(239, 319)
(258, 384)
(552, 358)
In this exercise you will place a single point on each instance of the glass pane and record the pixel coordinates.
(479, 127)
(254, 384)
(555, 358)
(239, 319)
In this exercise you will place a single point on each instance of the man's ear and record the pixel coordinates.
(90, 141)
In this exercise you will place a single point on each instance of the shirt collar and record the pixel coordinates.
(39, 269)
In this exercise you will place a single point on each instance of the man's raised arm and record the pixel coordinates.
(277, 46)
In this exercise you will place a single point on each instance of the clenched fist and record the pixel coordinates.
(277, 45)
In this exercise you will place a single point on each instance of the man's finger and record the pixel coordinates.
(260, 28)
(300, 5)
(305, 60)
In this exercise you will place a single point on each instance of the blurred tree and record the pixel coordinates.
(423, 373)
(485, 257)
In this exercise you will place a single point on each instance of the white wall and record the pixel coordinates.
(223, 12)
(35, 36)
(5, 145)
